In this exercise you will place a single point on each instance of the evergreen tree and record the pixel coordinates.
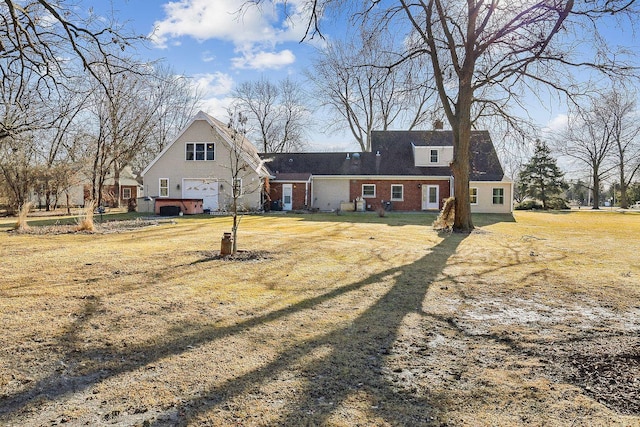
(541, 178)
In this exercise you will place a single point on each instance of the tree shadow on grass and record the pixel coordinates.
(355, 362)
(352, 359)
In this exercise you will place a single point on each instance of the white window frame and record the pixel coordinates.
(205, 150)
(473, 195)
(433, 151)
(500, 195)
(161, 187)
(369, 196)
(126, 190)
(397, 199)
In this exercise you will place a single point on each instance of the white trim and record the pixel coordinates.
(289, 188)
(194, 143)
(437, 162)
(401, 199)
(368, 197)
(476, 202)
(426, 203)
(381, 177)
(160, 187)
(493, 196)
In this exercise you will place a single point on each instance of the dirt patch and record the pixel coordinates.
(239, 256)
(607, 369)
(99, 228)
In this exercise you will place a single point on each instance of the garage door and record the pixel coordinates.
(207, 190)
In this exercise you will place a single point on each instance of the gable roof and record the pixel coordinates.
(395, 159)
(249, 151)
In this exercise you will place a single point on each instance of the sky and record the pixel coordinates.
(219, 47)
(216, 45)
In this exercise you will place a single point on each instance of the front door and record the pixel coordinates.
(287, 197)
(430, 197)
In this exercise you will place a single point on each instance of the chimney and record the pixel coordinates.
(378, 158)
(438, 125)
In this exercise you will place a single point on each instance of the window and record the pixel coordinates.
(368, 190)
(200, 151)
(473, 195)
(164, 187)
(126, 193)
(498, 196)
(433, 158)
(397, 192)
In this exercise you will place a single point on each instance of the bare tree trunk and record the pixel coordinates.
(596, 189)
(116, 182)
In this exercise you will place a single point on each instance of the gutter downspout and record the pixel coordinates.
(452, 187)
(306, 192)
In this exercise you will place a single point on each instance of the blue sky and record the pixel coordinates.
(209, 41)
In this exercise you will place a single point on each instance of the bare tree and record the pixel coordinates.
(57, 165)
(590, 139)
(177, 102)
(485, 53)
(53, 41)
(352, 80)
(621, 107)
(241, 169)
(276, 113)
(18, 169)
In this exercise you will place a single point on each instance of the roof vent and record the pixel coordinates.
(356, 155)
(348, 156)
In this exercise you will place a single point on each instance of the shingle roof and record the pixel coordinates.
(396, 157)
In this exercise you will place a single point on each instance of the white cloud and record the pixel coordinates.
(557, 123)
(223, 20)
(264, 60)
(207, 56)
(217, 107)
(213, 84)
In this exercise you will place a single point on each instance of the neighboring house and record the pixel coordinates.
(130, 189)
(193, 173)
(405, 171)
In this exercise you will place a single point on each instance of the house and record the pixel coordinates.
(193, 174)
(405, 171)
(128, 188)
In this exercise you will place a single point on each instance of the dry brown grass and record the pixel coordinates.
(21, 224)
(446, 217)
(85, 220)
(336, 322)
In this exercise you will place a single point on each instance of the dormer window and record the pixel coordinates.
(433, 157)
(200, 151)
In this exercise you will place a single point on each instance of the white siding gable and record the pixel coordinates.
(432, 155)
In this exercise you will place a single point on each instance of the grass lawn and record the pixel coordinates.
(533, 319)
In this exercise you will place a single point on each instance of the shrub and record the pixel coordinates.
(557, 204)
(528, 205)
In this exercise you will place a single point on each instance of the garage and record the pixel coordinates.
(204, 189)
